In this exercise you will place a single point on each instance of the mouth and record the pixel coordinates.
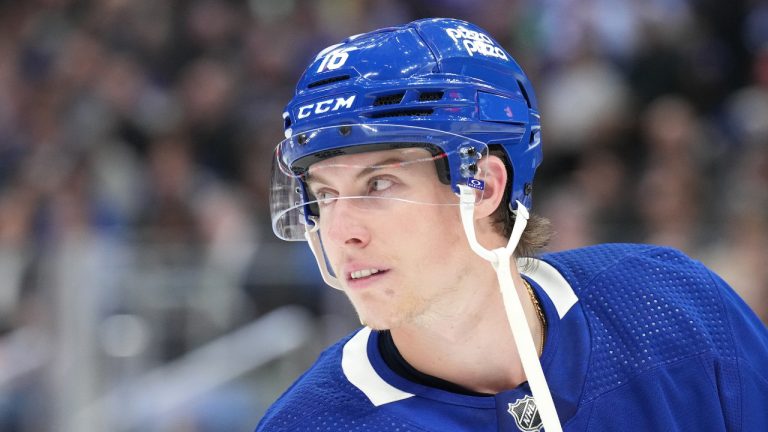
(360, 277)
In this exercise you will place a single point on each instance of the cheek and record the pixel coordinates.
(447, 220)
(439, 235)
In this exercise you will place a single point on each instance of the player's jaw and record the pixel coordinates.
(387, 299)
(374, 290)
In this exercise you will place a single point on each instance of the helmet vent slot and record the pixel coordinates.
(430, 96)
(525, 93)
(389, 99)
(404, 113)
(327, 81)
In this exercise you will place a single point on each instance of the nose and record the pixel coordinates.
(345, 225)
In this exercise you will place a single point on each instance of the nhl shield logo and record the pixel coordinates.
(526, 414)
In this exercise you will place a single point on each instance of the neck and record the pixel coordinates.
(470, 345)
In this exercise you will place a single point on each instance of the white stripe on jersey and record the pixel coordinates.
(552, 282)
(359, 371)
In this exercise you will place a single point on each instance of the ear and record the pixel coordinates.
(494, 174)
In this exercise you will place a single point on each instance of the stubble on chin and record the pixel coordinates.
(374, 319)
(372, 311)
(372, 322)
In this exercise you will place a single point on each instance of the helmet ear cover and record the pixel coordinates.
(504, 215)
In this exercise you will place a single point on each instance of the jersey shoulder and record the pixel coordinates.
(324, 400)
(646, 306)
(580, 266)
(631, 269)
(321, 396)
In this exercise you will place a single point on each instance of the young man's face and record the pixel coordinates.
(398, 262)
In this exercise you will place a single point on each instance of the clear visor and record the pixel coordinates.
(374, 168)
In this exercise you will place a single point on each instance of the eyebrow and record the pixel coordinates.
(386, 163)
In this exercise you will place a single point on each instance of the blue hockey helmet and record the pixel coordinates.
(438, 78)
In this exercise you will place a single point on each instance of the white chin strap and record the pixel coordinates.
(500, 260)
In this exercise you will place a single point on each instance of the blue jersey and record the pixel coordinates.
(638, 338)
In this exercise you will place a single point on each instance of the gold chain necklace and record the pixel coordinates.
(540, 314)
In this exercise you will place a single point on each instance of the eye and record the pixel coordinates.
(380, 184)
(324, 197)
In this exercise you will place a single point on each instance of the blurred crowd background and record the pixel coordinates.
(142, 288)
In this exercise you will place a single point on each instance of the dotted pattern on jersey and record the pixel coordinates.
(322, 400)
(646, 306)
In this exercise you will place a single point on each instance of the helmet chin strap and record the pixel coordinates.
(500, 260)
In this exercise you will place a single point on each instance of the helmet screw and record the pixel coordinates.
(345, 130)
(528, 188)
(467, 151)
(468, 170)
(301, 139)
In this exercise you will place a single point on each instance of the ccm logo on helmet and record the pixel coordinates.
(321, 107)
(476, 42)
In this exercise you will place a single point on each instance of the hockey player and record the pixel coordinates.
(408, 166)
